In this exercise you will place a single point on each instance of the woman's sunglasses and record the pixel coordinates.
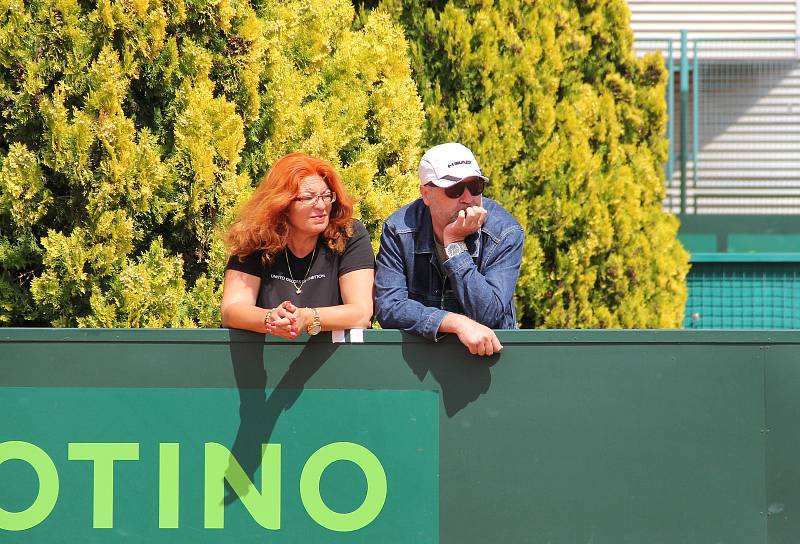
(475, 186)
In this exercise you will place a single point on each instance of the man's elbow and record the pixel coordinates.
(383, 317)
(493, 320)
(389, 311)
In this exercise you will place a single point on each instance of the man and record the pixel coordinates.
(449, 261)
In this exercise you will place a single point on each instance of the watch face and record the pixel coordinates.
(454, 249)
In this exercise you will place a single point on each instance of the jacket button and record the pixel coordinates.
(435, 291)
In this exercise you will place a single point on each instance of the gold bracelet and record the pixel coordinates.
(268, 318)
(316, 325)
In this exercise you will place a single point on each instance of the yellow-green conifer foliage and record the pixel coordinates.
(130, 130)
(569, 126)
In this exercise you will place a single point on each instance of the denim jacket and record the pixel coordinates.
(413, 292)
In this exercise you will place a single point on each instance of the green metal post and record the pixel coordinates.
(684, 116)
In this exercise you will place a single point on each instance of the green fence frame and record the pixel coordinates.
(565, 436)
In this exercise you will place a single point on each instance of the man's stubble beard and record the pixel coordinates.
(454, 215)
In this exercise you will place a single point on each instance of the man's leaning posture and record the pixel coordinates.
(449, 261)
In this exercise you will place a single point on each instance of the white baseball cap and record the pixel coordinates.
(445, 165)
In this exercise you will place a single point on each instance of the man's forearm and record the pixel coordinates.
(409, 315)
(481, 300)
(487, 295)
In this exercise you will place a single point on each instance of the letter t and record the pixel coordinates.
(103, 455)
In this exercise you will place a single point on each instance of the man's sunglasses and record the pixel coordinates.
(475, 186)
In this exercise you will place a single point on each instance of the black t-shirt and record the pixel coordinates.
(321, 286)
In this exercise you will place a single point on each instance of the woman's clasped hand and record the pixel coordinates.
(287, 320)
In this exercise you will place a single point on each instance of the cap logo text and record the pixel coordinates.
(452, 164)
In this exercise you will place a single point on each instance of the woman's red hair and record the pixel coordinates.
(263, 221)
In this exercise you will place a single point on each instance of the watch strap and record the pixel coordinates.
(455, 248)
(316, 324)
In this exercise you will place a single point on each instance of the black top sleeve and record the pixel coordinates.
(358, 252)
(250, 265)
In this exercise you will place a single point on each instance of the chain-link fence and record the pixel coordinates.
(741, 125)
(743, 295)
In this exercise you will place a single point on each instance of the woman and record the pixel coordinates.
(299, 261)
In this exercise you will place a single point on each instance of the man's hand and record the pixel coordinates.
(479, 339)
(467, 222)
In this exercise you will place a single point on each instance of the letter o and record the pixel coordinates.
(376, 486)
(45, 500)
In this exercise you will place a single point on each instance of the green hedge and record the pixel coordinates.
(130, 131)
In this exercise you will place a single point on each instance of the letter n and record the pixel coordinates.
(264, 506)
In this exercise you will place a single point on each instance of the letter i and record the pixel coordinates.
(168, 485)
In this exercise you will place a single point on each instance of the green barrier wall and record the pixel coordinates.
(566, 436)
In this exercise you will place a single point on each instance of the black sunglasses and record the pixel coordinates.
(475, 186)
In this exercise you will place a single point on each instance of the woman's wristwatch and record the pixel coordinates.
(316, 325)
